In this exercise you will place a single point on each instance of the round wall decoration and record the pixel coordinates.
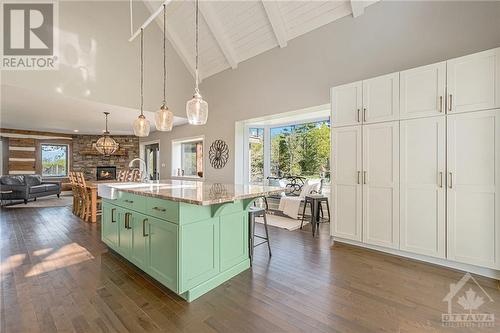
(218, 154)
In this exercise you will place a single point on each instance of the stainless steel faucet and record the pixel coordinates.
(145, 178)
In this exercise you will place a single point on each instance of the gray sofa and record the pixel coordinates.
(26, 187)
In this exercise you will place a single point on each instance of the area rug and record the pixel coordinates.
(51, 201)
(281, 222)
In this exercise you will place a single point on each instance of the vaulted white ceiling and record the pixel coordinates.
(233, 31)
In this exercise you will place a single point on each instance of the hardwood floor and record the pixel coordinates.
(57, 276)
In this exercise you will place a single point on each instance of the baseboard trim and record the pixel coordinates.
(488, 272)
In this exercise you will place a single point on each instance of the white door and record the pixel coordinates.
(423, 91)
(473, 194)
(347, 188)
(381, 98)
(422, 186)
(474, 82)
(381, 184)
(346, 104)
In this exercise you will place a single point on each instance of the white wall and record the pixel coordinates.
(95, 54)
(389, 37)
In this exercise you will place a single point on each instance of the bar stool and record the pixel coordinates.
(315, 202)
(254, 212)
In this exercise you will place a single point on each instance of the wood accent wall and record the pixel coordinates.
(22, 156)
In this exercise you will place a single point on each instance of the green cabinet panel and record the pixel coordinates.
(140, 240)
(124, 232)
(163, 209)
(233, 239)
(163, 253)
(130, 201)
(199, 260)
(109, 225)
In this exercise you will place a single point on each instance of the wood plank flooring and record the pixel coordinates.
(57, 276)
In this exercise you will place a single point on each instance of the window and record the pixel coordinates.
(301, 150)
(256, 155)
(187, 158)
(54, 160)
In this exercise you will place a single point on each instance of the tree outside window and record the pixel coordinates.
(256, 157)
(54, 160)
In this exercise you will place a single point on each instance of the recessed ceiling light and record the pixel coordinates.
(59, 90)
(76, 131)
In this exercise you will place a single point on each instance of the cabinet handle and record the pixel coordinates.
(144, 228)
(440, 180)
(450, 185)
(113, 215)
(127, 221)
(364, 177)
(451, 102)
(364, 114)
(440, 103)
(129, 201)
(160, 209)
(358, 116)
(359, 174)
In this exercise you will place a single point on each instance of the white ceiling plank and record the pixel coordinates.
(357, 7)
(176, 42)
(218, 32)
(274, 15)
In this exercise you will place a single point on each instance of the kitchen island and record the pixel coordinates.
(190, 236)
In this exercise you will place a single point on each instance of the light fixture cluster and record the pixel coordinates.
(196, 108)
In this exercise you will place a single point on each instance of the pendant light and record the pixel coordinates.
(164, 118)
(141, 124)
(106, 145)
(197, 108)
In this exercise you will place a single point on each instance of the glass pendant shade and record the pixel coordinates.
(106, 145)
(141, 126)
(197, 110)
(164, 119)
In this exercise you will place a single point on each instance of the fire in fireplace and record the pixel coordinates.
(106, 173)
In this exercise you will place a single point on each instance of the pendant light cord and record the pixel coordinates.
(142, 71)
(196, 47)
(164, 55)
(106, 114)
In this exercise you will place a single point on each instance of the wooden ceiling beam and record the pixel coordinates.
(276, 20)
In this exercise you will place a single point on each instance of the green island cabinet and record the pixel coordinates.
(188, 248)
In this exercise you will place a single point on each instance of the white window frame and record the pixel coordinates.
(177, 156)
(267, 144)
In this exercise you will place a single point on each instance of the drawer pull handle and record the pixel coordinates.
(113, 215)
(451, 102)
(160, 209)
(364, 177)
(359, 120)
(440, 180)
(359, 173)
(127, 221)
(144, 228)
(450, 185)
(440, 103)
(364, 115)
(128, 201)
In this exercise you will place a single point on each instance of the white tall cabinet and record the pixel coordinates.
(474, 188)
(381, 184)
(416, 162)
(423, 186)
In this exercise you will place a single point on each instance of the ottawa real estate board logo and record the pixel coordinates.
(29, 35)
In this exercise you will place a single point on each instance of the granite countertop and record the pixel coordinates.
(197, 192)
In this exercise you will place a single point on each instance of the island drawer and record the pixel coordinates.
(130, 201)
(163, 209)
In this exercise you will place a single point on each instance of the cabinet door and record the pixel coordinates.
(422, 91)
(474, 188)
(124, 232)
(347, 189)
(422, 186)
(346, 101)
(109, 225)
(381, 184)
(233, 239)
(163, 252)
(140, 240)
(474, 82)
(381, 98)
(199, 259)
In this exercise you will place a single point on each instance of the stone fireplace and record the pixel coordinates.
(105, 172)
